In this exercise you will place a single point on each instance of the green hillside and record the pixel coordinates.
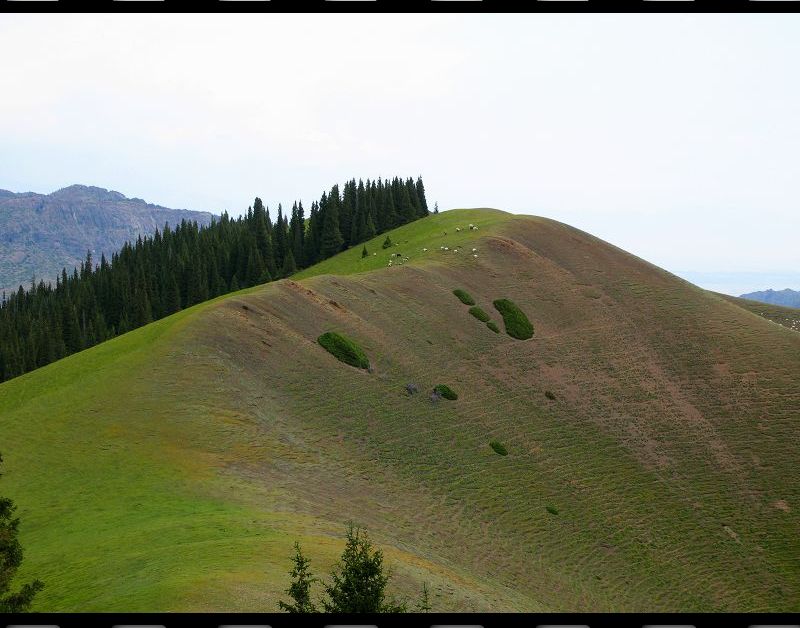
(172, 468)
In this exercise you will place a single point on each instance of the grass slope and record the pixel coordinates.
(173, 467)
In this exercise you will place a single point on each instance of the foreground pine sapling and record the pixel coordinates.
(10, 560)
(300, 588)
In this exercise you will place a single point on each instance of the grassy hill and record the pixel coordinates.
(789, 317)
(173, 467)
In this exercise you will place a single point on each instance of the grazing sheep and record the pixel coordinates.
(424, 250)
(474, 255)
(471, 225)
(412, 389)
(458, 228)
(436, 396)
(374, 253)
(446, 248)
(474, 250)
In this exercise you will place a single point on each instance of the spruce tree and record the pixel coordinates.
(263, 238)
(300, 588)
(331, 240)
(10, 560)
(358, 584)
(289, 267)
(364, 252)
(423, 203)
(297, 230)
(406, 210)
(369, 228)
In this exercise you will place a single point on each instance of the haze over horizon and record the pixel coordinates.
(681, 154)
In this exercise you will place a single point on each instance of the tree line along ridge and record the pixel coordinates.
(179, 267)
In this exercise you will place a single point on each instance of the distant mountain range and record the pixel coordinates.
(787, 297)
(42, 233)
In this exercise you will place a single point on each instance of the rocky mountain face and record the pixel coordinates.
(41, 234)
(786, 297)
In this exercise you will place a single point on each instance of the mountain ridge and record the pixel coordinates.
(43, 233)
(786, 297)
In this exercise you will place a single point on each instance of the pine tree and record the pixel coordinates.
(10, 560)
(358, 584)
(423, 203)
(280, 238)
(387, 242)
(369, 229)
(300, 588)
(289, 267)
(297, 234)
(255, 267)
(263, 237)
(364, 252)
(406, 210)
(331, 241)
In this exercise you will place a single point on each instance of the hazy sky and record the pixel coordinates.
(676, 137)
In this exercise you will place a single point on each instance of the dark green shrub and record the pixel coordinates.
(498, 448)
(517, 324)
(493, 326)
(479, 314)
(464, 297)
(445, 391)
(549, 395)
(364, 252)
(552, 510)
(387, 242)
(344, 349)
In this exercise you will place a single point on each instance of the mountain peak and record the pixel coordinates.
(92, 191)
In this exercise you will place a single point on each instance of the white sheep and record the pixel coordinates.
(423, 250)
(474, 256)
(374, 253)
(458, 228)
(474, 250)
(471, 225)
(446, 248)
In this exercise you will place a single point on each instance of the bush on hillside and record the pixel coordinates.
(498, 448)
(387, 242)
(517, 324)
(464, 297)
(493, 326)
(445, 391)
(478, 313)
(343, 349)
(552, 510)
(549, 395)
